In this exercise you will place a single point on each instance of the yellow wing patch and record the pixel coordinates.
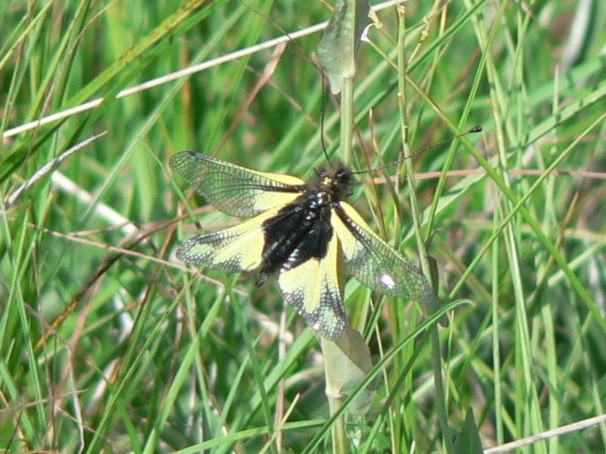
(349, 243)
(239, 248)
(313, 288)
(378, 265)
(268, 200)
(289, 180)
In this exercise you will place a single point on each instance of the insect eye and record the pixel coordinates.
(343, 176)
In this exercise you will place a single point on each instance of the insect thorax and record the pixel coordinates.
(333, 181)
(302, 230)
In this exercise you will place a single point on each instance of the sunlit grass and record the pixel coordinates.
(108, 343)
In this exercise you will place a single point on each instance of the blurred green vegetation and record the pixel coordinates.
(108, 344)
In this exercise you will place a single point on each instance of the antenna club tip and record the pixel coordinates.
(476, 129)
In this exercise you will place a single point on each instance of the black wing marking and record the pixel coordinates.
(376, 264)
(235, 190)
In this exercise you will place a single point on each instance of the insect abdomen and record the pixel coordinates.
(299, 232)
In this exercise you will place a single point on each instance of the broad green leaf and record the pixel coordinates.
(347, 364)
(340, 41)
(468, 440)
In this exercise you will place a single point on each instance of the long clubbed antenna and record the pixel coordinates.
(422, 150)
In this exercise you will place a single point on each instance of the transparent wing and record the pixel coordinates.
(376, 264)
(235, 190)
(238, 248)
(313, 289)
